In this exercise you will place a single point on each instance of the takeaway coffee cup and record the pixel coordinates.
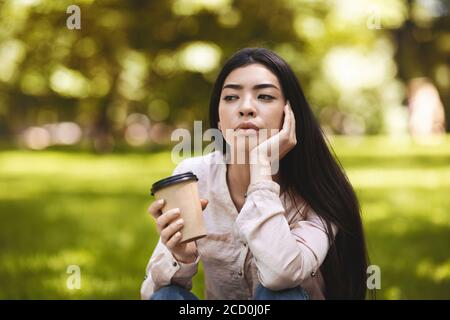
(181, 191)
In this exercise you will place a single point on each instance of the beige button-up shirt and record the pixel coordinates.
(270, 241)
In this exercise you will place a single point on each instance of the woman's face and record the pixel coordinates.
(251, 99)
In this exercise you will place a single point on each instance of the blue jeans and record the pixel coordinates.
(174, 292)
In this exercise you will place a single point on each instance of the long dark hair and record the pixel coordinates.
(311, 171)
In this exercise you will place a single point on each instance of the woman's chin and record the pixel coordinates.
(244, 149)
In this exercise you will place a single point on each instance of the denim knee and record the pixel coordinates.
(297, 293)
(173, 292)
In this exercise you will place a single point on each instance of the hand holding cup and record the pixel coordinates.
(169, 225)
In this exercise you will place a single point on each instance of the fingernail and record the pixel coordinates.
(180, 222)
(175, 213)
(177, 234)
(161, 201)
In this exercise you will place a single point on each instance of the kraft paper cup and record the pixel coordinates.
(181, 191)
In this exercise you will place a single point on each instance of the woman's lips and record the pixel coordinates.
(247, 126)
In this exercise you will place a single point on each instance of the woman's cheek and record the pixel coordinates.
(276, 123)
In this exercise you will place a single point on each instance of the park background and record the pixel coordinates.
(86, 116)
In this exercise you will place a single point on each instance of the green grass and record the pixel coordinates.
(64, 208)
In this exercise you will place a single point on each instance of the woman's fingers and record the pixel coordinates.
(287, 118)
(290, 123)
(173, 241)
(293, 130)
(168, 232)
(155, 208)
(165, 219)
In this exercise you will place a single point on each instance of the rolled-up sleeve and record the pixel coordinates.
(164, 269)
(284, 255)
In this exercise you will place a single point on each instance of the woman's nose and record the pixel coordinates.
(247, 109)
(247, 113)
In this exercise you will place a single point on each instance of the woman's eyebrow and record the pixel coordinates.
(255, 87)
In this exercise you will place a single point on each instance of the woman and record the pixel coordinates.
(295, 233)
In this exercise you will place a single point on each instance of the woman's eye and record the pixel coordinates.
(265, 97)
(230, 98)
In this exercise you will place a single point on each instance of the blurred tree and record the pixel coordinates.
(160, 57)
(424, 46)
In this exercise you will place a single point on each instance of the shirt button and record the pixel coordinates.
(174, 263)
(245, 244)
(240, 273)
(313, 274)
